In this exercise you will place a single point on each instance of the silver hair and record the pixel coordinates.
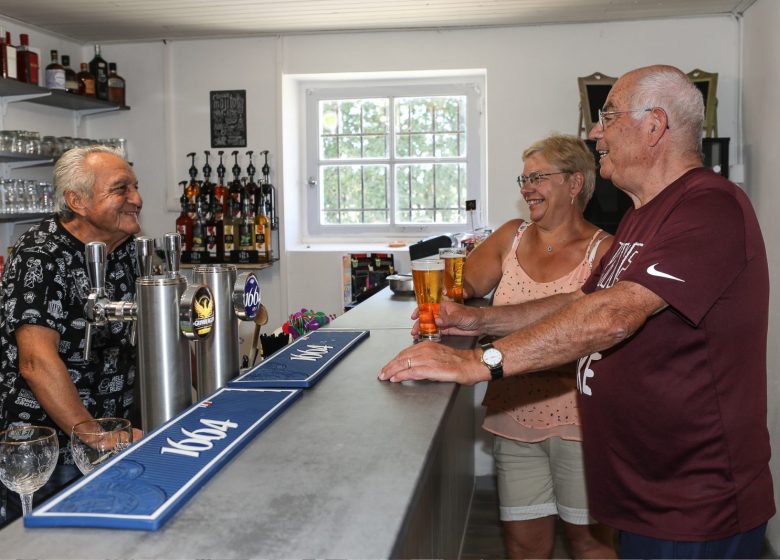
(72, 174)
(670, 89)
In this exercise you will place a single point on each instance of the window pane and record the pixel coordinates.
(330, 187)
(350, 147)
(439, 124)
(375, 116)
(431, 193)
(448, 145)
(354, 194)
(375, 146)
(330, 147)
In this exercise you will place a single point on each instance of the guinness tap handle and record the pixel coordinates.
(96, 267)
(172, 244)
(144, 253)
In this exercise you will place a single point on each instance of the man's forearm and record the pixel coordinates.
(505, 319)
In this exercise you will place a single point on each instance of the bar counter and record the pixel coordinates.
(355, 468)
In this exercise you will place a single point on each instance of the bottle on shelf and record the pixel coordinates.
(269, 202)
(26, 61)
(71, 81)
(262, 231)
(184, 224)
(198, 252)
(230, 232)
(98, 67)
(246, 230)
(55, 72)
(193, 187)
(86, 81)
(116, 86)
(236, 191)
(7, 55)
(221, 192)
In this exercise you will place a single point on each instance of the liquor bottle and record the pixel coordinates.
(221, 192)
(7, 55)
(207, 187)
(246, 233)
(251, 188)
(215, 233)
(71, 81)
(269, 202)
(198, 253)
(99, 68)
(235, 187)
(230, 230)
(55, 72)
(193, 188)
(86, 81)
(184, 224)
(26, 61)
(116, 86)
(262, 231)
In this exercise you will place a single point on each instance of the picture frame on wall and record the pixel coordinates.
(707, 83)
(228, 118)
(593, 94)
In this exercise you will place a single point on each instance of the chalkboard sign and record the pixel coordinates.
(228, 119)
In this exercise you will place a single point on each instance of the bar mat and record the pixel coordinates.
(302, 363)
(146, 485)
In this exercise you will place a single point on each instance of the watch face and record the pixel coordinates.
(492, 357)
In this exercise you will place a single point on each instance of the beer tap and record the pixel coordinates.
(99, 310)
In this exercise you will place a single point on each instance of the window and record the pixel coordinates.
(389, 160)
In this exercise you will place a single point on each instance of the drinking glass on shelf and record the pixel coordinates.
(28, 455)
(428, 278)
(454, 258)
(94, 441)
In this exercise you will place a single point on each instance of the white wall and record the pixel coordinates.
(762, 123)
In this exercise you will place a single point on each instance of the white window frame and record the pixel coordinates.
(471, 86)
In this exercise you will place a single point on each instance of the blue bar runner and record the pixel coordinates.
(145, 485)
(302, 363)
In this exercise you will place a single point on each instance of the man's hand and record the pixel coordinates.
(454, 319)
(437, 362)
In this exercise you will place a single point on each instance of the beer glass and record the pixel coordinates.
(94, 441)
(428, 278)
(454, 258)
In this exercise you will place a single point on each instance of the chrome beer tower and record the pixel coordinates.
(168, 314)
(236, 297)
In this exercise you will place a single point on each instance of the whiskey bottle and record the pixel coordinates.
(55, 72)
(86, 81)
(246, 235)
(26, 61)
(230, 234)
(116, 86)
(98, 67)
(221, 191)
(71, 81)
(193, 188)
(235, 187)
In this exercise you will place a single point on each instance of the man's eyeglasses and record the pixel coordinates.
(536, 178)
(607, 117)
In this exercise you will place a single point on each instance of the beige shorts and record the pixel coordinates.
(541, 479)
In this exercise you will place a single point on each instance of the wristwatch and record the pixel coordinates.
(493, 359)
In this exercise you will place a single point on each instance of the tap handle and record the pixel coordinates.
(172, 244)
(96, 267)
(144, 255)
(88, 340)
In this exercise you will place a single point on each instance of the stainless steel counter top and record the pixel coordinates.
(343, 473)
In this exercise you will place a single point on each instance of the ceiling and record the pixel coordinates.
(89, 21)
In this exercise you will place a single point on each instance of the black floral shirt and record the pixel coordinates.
(46, 283)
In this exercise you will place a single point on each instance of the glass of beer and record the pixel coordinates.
(428, 278)
(453, 258)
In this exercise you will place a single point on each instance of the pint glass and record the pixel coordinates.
(454, 258)
(428, 277)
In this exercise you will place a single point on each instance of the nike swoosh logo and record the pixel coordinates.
(652, 271)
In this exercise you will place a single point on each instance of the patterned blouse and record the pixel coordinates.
(47, 284)
(540, 405)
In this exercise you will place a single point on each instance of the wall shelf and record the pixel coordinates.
(12, 90)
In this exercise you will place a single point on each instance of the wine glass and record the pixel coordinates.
(97, 440)
(28, 455)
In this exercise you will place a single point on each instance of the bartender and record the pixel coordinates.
(45, 379)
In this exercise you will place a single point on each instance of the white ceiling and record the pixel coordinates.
(137, 20)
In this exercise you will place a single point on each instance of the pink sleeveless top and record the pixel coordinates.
(540, 405)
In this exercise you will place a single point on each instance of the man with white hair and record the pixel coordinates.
(45, 379)
(670, 336)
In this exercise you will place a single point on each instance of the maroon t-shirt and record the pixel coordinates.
(674, 419)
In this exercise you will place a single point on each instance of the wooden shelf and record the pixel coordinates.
(55, 98)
